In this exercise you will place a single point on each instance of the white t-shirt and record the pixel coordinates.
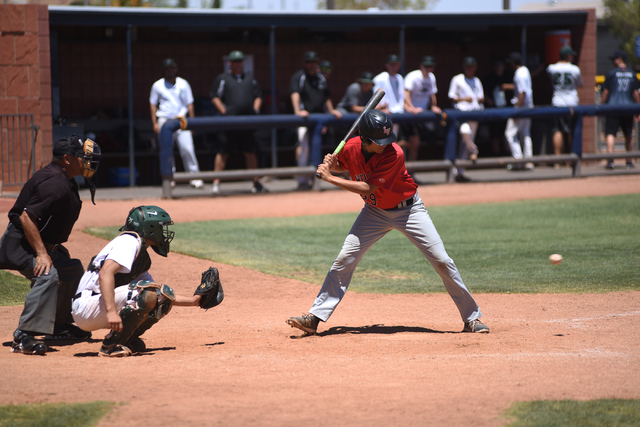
(394, 101)
(420, 88)
(123, 250)
(566, 79)
(172, 101)
(460, 88)
(522, 84)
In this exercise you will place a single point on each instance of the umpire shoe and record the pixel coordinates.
(68, 332)
(476, 326)
(25, 343)
(114, 350)
(307, 323)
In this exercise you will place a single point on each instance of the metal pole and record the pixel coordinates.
(132, 174)
(272, 54)
(506, 5)
(523, 44)
(402, 31)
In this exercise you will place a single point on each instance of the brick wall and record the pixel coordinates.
(25, 71)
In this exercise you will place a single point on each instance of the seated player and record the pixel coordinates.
(118, 293)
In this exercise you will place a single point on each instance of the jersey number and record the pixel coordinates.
(562, 79)
(371, 199)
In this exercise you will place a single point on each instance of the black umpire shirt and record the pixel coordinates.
(53, 200)
(313, 91)
(237, 93)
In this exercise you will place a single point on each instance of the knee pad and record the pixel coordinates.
(465, 129)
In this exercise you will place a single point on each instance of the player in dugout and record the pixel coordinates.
(378, 174)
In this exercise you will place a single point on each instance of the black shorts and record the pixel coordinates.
(564, 124)
(612, 123)
(237, 140)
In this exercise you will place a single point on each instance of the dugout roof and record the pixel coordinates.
(321, 19)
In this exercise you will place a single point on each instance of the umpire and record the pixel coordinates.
(39, 222)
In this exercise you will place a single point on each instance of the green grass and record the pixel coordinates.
(569, 413)
(54, 415)
(13, 288)
(498, 247)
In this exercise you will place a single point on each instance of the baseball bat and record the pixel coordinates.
(373, 102)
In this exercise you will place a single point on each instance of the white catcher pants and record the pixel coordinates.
(371, 225)
(184, 139)
(89, 312)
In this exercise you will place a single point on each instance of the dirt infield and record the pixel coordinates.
(381, 360)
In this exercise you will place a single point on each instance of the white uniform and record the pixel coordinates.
(421, 88)
(88, 310)
(518, 131)
(393, 87)
(173, 101)
(566, 79)
(462, 87)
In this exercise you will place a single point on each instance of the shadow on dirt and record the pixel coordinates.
(379, 329)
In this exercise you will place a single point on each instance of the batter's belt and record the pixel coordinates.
(403, 204)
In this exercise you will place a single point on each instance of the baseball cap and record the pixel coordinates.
(169, 62)
(469, 60)
(71, 145)
(310, 56)
(619, 54)
(428, 61)
(515, 57)
(566, 50)
(325, 66)
(236, 55)
(366, 77)
(393, 58)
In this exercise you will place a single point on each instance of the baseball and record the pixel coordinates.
(555, 259)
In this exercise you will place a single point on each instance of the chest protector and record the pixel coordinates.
(141, 263)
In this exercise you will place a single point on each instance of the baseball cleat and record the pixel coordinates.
(476, 326)
(114, 350)
(307, 323)
(25, 343)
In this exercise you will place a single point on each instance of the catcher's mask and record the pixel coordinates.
(152, 224)
(376, 126)
(90, 162)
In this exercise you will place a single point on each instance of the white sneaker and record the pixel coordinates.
(196, 183)
(528, 166)
(215, 189)
(173, 184)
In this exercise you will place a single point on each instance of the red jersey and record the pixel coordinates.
(386, 170)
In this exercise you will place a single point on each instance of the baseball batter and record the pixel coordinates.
(378, 174)
(118, 293)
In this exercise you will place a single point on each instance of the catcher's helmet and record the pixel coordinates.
(152, 224)
(377, 127)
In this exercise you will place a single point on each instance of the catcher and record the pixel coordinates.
(118, 293)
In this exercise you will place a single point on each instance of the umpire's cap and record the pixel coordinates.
(71, 145)
(377, 127)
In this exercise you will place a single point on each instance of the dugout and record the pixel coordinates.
(91, 74)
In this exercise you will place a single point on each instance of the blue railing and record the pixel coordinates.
(451, 117)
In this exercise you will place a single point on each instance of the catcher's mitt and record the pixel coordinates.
(210, 289)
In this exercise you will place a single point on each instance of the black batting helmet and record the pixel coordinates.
(378, 127)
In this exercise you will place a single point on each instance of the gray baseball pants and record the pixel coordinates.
(371, 225)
